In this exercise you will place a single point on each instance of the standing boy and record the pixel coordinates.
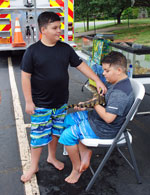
(101, 122)
(45, 86)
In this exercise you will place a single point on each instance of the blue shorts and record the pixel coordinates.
(77, 127)
(44, 123)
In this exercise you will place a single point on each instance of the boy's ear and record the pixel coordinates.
(42, 29)
(119, 70)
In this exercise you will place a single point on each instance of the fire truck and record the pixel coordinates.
(27, 12)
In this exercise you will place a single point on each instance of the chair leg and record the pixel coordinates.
(133, 158)
(65, 153)
(100, 167)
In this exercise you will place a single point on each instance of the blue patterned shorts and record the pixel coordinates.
(44, 123)
(77, 127)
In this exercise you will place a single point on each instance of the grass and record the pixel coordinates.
(81, 29)
(132, 22)
(138, 21)
(139, 34)
(138, 31)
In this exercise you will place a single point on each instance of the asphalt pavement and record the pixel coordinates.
(117, 178)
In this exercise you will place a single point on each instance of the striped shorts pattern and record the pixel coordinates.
(44, 123)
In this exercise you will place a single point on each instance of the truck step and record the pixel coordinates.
(4, 21)
(4, 34)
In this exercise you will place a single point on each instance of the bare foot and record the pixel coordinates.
(85, 160)
(27, 176)
(57, 164)
(73, 177)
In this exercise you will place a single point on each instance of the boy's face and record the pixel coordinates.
(52, 31)
(111, 73)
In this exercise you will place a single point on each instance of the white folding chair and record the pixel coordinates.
(123, 137)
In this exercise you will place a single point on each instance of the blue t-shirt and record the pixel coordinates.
(119, 99)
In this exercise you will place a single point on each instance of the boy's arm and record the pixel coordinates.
(106, 116)
(87, 71)
(26, 87)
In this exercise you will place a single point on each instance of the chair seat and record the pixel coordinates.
(104, 142)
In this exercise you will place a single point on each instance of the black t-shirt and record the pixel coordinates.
(48, 67)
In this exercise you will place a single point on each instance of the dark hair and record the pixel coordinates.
(116, 58)
(47, 17)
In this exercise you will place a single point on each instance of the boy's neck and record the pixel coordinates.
(48, 42)
(122, 77)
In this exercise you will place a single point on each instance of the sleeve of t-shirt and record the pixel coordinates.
(27, 61)
(74, 59)
(117, 102)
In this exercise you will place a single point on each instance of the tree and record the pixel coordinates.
(130, 13)
(115, 8)
(88, 8)
(85, 9)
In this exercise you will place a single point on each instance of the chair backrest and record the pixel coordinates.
(139, 92)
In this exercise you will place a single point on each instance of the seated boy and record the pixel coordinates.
(101, 122)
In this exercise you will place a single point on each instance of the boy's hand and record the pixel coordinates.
(101, 87)
(78, 108)
(30, 107)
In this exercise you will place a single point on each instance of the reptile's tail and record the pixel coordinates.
(99, 100)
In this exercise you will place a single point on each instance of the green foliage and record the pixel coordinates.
(132, 13)
(86, 10)
(102, 9)
(148, 10)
